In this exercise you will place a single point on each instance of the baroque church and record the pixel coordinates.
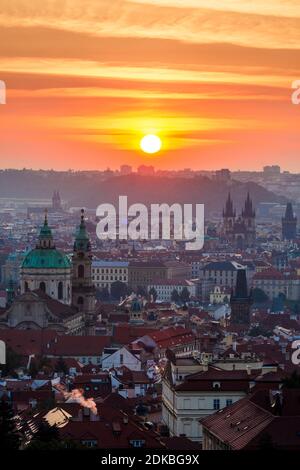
(239, 230)
(57, 291)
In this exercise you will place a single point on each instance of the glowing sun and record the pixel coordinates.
(151, 143)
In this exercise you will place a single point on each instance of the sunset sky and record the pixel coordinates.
(87, 79)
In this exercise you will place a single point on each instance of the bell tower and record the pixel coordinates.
(83, 289)
(229, 216)
(289, 223)
(248, 218)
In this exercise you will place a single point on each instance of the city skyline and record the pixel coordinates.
(87, 82)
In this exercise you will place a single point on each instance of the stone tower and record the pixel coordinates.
(289, 223)
(248, 218)
(83, 290)
(240, 301)
(239, 230)
(229, 215)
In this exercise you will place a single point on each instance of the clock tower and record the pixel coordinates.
(83, 290)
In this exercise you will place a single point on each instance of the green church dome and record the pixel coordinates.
(45, 255)
(46, 258)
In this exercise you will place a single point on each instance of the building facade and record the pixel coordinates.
(240, 230)
(165, 288)
(105, 273)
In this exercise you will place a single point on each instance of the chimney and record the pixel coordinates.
(276, 402)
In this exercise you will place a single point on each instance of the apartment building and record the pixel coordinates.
(105, 273)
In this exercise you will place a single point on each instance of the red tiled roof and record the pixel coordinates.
(172, 336)
(26, 342)
(110, 431)
(271, 273)
(242, 425)
(233, 380)
(125, 334)
(78, 345)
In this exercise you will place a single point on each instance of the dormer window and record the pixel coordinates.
(216, 385)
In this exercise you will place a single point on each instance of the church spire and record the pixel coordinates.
(229, 211)
(45, 237)
(82, 241)
(248, 210)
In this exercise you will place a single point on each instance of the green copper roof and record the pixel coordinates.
(45, 231)
(46, 259)
(82, 241)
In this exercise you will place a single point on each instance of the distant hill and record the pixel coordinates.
(92, 189)
(149, 189)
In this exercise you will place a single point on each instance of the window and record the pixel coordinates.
(216, 404)
(122, 358)
(43, 286)
(89, 443)
(137, 443)
(60, 290)
(216, 385)
(81, 271)
(186, 404)
(229, 402)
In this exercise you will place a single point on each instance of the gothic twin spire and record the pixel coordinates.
(247, 211)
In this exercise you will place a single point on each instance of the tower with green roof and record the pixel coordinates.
(46, 268)
(83, 289)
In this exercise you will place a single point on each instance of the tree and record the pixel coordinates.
(103, 294)
(33, 369)
(141, 291)
(9, 436)
(44, 362)
(175, 296)
(259, 331)
(259, 296)
(47, 433)
(118, 289)
(292, 381)
(185, 295)
(61, 366)
(13, 361)
(153, 294)
(48, 438)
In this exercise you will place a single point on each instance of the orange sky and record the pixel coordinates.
(87, 79)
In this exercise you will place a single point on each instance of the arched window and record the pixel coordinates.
(81, 271)
(60, 291)
(43, 286)
(80, 301)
